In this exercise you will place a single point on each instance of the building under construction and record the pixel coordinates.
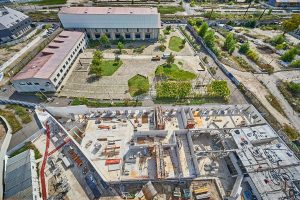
(231, 144)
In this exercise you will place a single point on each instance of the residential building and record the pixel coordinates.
(131, 23)
(48, 69)
(21, 180)
(285, 3)
(13, 24)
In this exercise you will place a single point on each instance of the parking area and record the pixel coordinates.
(80, 83)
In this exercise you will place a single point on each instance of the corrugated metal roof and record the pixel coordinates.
(18, 179)
(50, 58)
(109, 10)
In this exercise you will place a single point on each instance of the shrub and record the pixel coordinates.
(294, 88)
(203, 29)
(279, 39)
(219, 88)
(295, 64)
(289, 55)
(252, 55)
(244, 48)
(229, 44)
(162, 47)
(173, 89)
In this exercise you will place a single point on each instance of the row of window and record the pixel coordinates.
(127, 36)
(117, 30)
(67, 62)
(30, 83)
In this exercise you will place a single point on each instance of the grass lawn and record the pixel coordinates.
(27, 146)
(176, 44)
(172, 72)
(107, 67)
(48, 2)
(170, 9)
(138, 85)
(21, 112)
(11, 119)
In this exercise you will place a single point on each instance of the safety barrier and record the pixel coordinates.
(21, 103)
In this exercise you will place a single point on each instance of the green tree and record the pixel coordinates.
(244, 48)
(288, 26)
(291, 24)
(120, 46)
(203, 29)
(104, 41)
(171, 59)
(209, 39)
(98, 55)
(289, 55)
(229, 44)
(162, 39)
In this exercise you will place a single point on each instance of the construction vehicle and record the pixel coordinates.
(201, 190)
(155, 58)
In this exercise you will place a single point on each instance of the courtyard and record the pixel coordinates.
(115, 87)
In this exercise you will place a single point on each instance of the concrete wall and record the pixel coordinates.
(4, 148)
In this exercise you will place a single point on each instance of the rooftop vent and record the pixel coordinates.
(53, 47)
(63, 36)
(58, 41)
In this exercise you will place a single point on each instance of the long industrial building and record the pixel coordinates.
(131, 23)
(48, 69)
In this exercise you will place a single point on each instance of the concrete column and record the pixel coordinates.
(143, 35)
(112, 36)
(123, 35)
(132, 36)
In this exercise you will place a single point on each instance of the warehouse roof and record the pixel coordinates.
(10, 17)
(108, 10)
(50, 58)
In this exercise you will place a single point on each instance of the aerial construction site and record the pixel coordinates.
(190, 152)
